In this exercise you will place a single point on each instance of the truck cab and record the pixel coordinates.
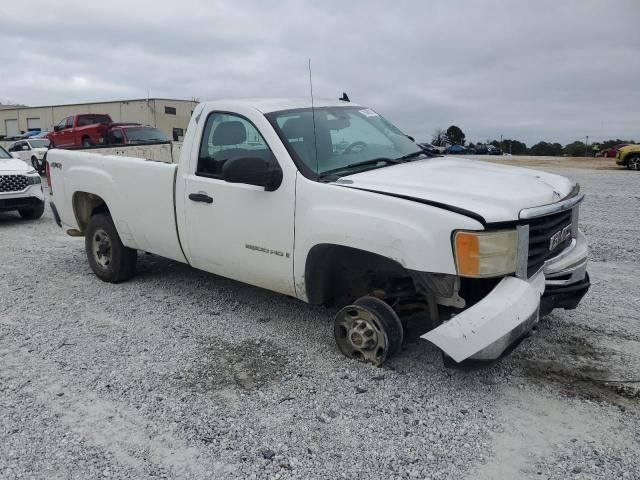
(334, 205)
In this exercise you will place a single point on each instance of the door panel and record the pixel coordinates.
(244, 232)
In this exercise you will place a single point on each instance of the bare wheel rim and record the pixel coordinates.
(634, 163)
(101, 248)
(359, 335)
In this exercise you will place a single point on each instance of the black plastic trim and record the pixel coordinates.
(56, 216)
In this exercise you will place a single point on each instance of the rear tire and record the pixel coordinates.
(110, 260)
(32, 213)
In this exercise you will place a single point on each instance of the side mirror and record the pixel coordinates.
(57, 128)
(253, 171)
(25, 147)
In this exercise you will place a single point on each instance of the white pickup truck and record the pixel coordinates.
(334, 205)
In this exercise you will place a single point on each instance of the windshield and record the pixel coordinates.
(39, 143)
(4, 153)
(346, 140)
(145, 135)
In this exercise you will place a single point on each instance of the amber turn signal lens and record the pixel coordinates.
(485, 254)
(467, 250)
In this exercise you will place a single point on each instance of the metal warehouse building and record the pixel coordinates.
(169, 115)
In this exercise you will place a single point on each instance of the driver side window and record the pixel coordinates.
(227, 136)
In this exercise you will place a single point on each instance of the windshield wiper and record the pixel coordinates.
(373, 161)
(413, 155)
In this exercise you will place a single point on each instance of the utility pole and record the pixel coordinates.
(586, 145)
(501, 146)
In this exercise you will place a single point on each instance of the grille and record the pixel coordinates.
(13, 183)
(540, 232)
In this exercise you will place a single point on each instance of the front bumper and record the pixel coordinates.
(30, 197)
(487, 329)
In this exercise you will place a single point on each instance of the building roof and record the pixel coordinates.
(25, 107)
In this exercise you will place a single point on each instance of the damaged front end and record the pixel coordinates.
(547, 260)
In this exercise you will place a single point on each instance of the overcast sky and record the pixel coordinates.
(535, 70)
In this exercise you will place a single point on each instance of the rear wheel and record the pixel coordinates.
(110, 260)
(369, 331)
(32, 213)
(633, 163)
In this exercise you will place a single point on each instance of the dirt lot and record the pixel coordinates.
(553, 162)
(182, 374)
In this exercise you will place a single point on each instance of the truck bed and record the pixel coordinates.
(168, 152)
(139, 194)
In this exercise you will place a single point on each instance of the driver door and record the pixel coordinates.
(236, 230)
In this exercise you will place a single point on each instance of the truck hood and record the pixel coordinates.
(495, 192)
(13, 165)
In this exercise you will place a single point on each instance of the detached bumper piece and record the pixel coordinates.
(486, 330)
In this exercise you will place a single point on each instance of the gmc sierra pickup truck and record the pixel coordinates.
(334, 205)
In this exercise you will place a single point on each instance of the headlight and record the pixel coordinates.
(485, 254)
(33, 179)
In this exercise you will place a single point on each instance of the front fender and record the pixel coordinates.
(415, 235)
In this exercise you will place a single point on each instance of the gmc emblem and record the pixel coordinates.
(559, 237)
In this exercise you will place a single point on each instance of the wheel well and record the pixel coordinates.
(337, 275)
(85, 205)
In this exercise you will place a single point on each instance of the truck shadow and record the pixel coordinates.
(577, 366)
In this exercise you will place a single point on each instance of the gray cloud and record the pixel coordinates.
(528, 70)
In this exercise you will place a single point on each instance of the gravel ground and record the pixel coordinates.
(182, 374)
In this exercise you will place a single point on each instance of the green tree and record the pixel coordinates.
(546, 148)
(515, 147)
(575, 149)
(455, 135)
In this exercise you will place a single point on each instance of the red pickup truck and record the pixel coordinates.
(82, 130)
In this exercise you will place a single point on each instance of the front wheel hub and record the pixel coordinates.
(359, 335)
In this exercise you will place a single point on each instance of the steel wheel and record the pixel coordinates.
(369, 331)
(101, 248)
(634, 163)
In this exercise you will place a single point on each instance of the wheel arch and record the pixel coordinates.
(335, 274)
(85, 205)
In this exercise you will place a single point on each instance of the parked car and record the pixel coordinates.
(611, 152)
(83, 130)
(20, 187)
(42, 134)
(487, 149)
(476, 251)
(629, 156)
(456, 149)
(133, 134)
(31, 151)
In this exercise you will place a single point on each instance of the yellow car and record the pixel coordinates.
(629, 156)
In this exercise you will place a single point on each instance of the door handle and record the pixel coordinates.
(200, 197)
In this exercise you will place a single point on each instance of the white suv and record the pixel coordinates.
(31, 150)
(20, 187)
